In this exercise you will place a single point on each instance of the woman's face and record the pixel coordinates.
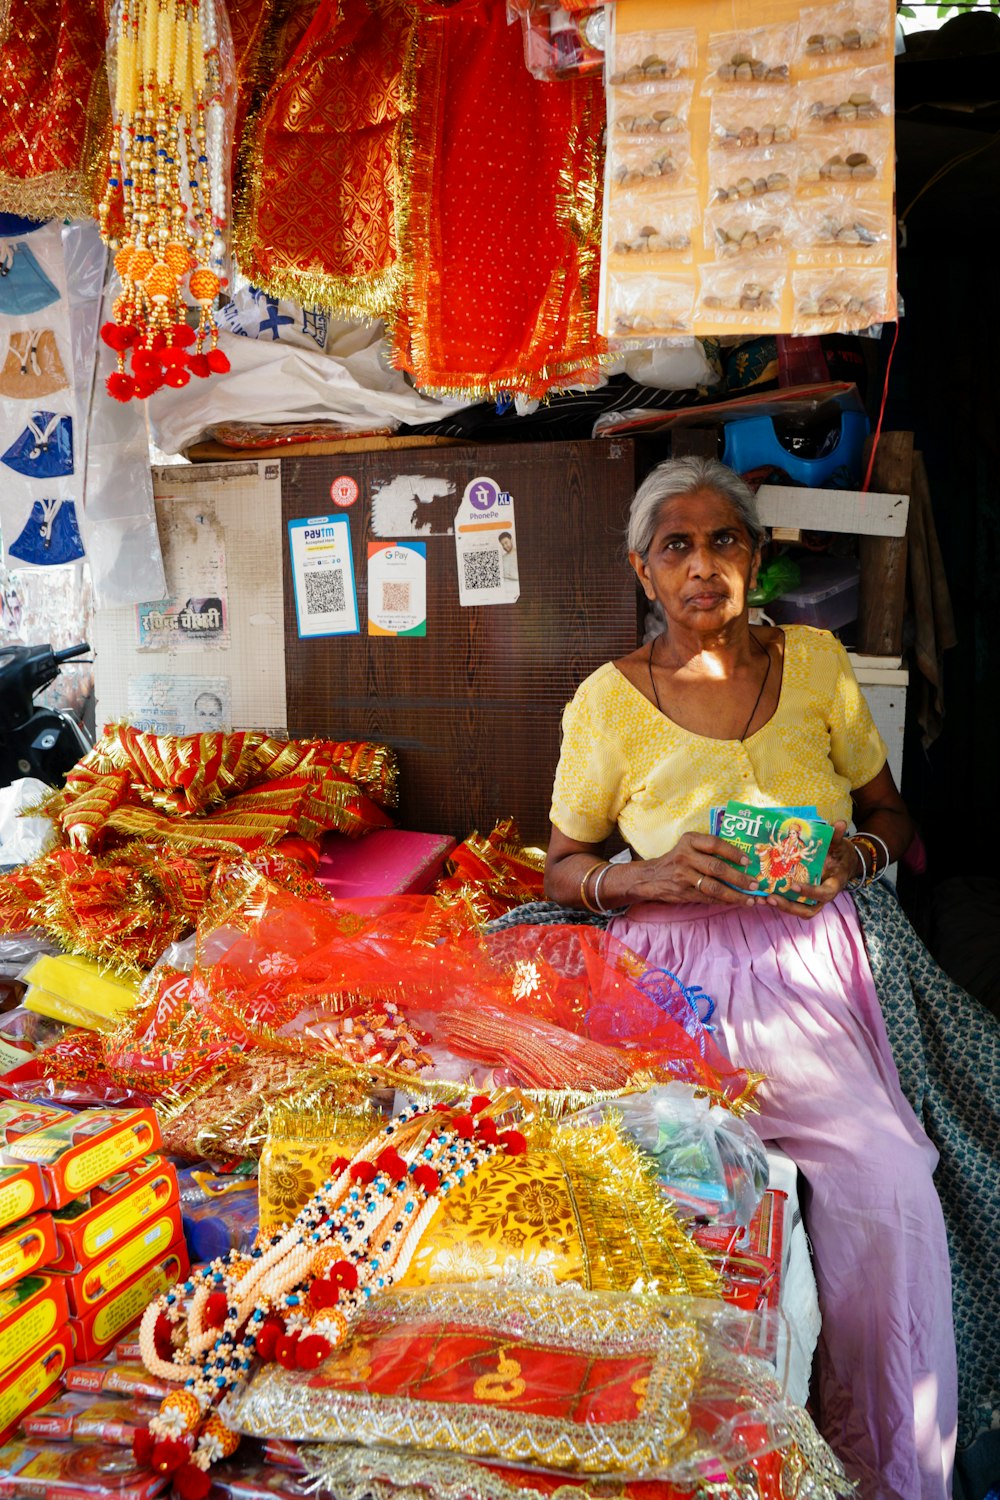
(700, 563)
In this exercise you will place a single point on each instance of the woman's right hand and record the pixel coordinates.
(699, 869)
(694, 871)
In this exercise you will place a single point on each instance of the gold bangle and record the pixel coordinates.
(583, 886)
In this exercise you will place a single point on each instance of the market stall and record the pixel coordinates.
(333, 1158)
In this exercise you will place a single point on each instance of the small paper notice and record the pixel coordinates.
(397, 588)
(160, 703)
(326, 600)
(486, 544)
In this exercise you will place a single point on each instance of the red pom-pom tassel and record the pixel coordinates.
(192, 1483)
(486, 1129)
(143, 1443)
(145, 364)
(284, 1350)
(322, 1294)
(311, 1351)
(514, 1143)
(462, 1125)
(174, 355)
(478, 1104)
(216, 1310)
(427, 1178)
(168, 1456)
(182, 334)
(121, 386)
(271, 1330)
(364, 1171)
(339, 1163)
(391, 1163)
(176, 377)
(218, 362)
(118, 339)
(344, 1275)
(198, 365)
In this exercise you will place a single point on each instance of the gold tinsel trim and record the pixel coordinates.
(623, 1215)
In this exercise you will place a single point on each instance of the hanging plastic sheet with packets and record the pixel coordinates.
(749, 176)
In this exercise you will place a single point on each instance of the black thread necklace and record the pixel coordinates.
(767, 672)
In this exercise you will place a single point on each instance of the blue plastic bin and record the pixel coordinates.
(752, 443)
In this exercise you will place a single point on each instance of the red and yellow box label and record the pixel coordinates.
(21, 1192)
(88, 1229)
(77, 1153)
(30, 1311)
(95, 1283)
(26, 1247)
(97, 1330)
(30, 1383)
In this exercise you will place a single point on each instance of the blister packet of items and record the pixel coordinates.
(846, 230)
(77, 1418)
(739, 124)
(711, 1163)
(759, 226)
(643, 165)
(63, 1471)
(846, 32)
(743, 293)
(133, 1381)
(850, 158)
(658, 227)
(751, 58)
(847, 97)
(561, 44)
(649, 308)
(839, 299)
(651, 57)
(754, 175)
(649, 113)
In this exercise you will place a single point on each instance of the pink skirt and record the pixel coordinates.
(795, 1000)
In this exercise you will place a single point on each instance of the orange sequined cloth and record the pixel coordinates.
(500, 162)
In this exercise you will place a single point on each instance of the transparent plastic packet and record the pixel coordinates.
(764, 226)
(648, 308)
(559, 45)
(851, 156)
(854, 229)
(751, 122)
(711, 1163)
(751, 174)
(648, 225)
(849, 96)
(839, 299)
(646, 113)
(651, 57)
(642, 163)
(744, 293)
(851, 31)
(751, 57)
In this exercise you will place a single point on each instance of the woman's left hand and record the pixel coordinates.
(840, 867)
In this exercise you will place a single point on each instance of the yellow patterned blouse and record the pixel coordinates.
(625, 763)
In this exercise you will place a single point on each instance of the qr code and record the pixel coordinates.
(325, 592)
(482, 570)
(395, 597)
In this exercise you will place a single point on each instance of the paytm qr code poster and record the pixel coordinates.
(326, 600)
(486, 542)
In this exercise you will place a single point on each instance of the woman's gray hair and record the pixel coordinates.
(685, 476)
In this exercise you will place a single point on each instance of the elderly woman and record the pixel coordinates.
(715, 709)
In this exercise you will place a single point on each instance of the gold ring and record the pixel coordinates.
(697, 884)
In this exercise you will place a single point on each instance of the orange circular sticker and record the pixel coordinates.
(344, 490)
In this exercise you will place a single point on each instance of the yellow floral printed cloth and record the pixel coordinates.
(623, 762)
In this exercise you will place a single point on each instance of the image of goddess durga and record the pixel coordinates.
(782, 858)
